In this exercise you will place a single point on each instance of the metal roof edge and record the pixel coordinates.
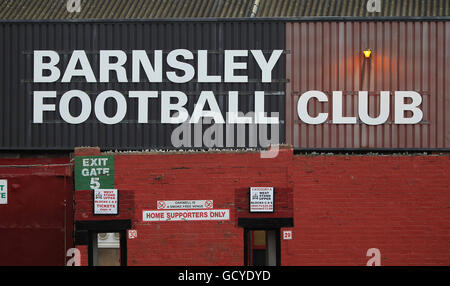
(256, 19)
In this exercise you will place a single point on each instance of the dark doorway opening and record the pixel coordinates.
(99, 253)
(262, 247)
(107, 253)
(262, 242)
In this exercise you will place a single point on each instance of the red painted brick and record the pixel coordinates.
(341, 205)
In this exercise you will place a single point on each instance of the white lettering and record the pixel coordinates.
(401, 107)
(302, 107)
(85, 106)
(233, 110)
(259, 110)
(39, 66)
(143, 97)
(38, 104)
(154, 74)
(202, 67)
(337, 110)
(231, 65)
(100, 107)
(266, 66)
(363, 109)
(166, 107)
(86, 70)
(106, 66)
(207, 96)
(188, 69)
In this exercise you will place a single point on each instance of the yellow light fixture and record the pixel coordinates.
(367, 53)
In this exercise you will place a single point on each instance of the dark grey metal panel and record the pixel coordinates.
(19, 40)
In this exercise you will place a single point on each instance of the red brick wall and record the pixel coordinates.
(342, 206)
(146, 178)
(345, 205)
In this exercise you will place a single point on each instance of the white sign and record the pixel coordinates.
(3, 192)
(287, 234)
(261, 199)
(185, 215)
(106, 201)
(132, 234)
(180, 205)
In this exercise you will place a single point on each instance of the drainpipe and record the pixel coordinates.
(255, 8)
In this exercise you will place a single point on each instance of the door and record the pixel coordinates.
(107, 248)
(104, 249)
(262, 247)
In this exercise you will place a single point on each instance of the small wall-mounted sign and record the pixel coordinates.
(287, 234)
(132, 234)
(185, 215)
(184, 204)
(106, 202)
(261, 199)
(3, 192)
(94, 172)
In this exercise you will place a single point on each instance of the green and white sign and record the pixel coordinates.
(3, 192)
(94, 172)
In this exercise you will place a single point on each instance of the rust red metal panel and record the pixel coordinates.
(36, 225)
(327, 56)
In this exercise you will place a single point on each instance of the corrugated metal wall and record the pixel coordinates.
(19, 40)
(327, 56)
(320, 55)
